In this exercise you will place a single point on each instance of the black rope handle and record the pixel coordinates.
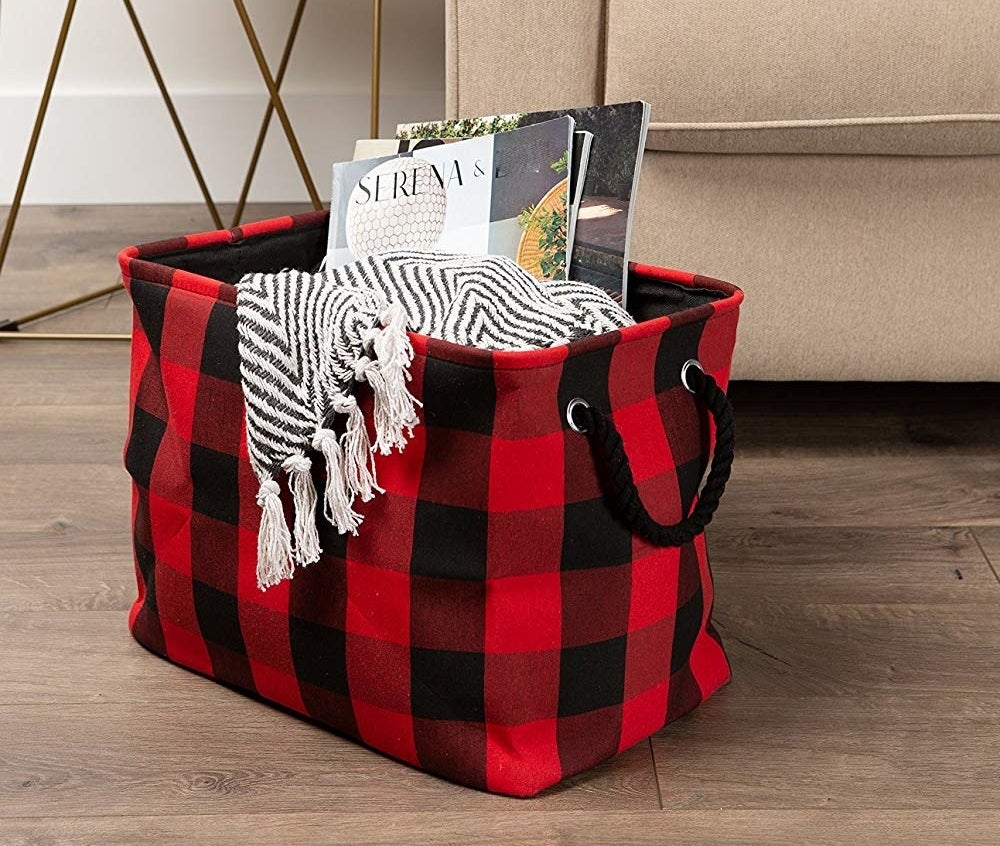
(600, 428)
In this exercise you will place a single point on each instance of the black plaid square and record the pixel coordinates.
(449, 542)
(214, 478)
(318, 652)
(593, 536)
(143, 444)
(676, 347)
(458, 397)
(447, 614)
(219, 622)
(447, 685)
(592, 676)
(217, 359)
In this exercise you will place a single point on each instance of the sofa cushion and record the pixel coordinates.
(877, 268)
(778, 76)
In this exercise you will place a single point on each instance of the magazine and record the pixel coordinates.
(501, 194)
(370, 148)
(373, 148)
(582, 142)
(600, 249)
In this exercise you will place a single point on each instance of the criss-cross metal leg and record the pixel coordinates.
(277, 103)
(36, 131)
(175, 119)
(293, 32)
(9, 328)
(376, 63)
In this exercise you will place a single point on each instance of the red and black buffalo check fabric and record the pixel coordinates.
(493, 622)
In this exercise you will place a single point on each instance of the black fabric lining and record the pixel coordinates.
(303, 248)
(649, 298)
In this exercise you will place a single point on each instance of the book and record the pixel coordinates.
(502, 194)
(369, 148)
(600, 248)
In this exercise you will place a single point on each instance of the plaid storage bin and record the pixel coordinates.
(532, 593)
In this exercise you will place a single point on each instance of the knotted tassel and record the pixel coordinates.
(387, 374)
(392, 345)
(299, 470)
(359, 464)
(338, 500)
(274, 542)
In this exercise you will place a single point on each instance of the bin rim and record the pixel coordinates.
(143, 262)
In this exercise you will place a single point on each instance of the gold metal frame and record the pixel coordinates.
(175, 119)
(36, 131)
(376, 63)
(12, 326)
(277, 103)
(9, 328)
(64, 336)
(268, 113)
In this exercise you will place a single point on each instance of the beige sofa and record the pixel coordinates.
(840, 161)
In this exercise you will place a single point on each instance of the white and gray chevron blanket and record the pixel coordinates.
(307, 339)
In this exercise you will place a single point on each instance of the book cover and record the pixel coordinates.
(502, 194)
(604, 224)
(370, 148)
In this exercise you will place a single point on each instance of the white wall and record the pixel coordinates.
(108, 139)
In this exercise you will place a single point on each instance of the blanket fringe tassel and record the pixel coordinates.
(387, 374)
(359, 464)
(339, 499)
(274, 542)
(349, 458)
(307, 548)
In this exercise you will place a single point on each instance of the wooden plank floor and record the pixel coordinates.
(856, 558)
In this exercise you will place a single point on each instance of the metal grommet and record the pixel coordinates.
(575, 403)
(687, 365)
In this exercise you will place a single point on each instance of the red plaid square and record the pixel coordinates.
(526, 474)
(449, 448)
(389, 548)
(379, 603)
(652, 597)
(595, 604)
(643, 715)
(527, 409)
(183, 334)
(686, 442)
(185, 647)
(387, 730)
(279, 687)
(646, 656)
(170, 530)
(645, 440)
(522, 758)
(521, 615)
(213, 426)
(399, 473)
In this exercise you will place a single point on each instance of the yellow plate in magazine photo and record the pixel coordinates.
(529, 253)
